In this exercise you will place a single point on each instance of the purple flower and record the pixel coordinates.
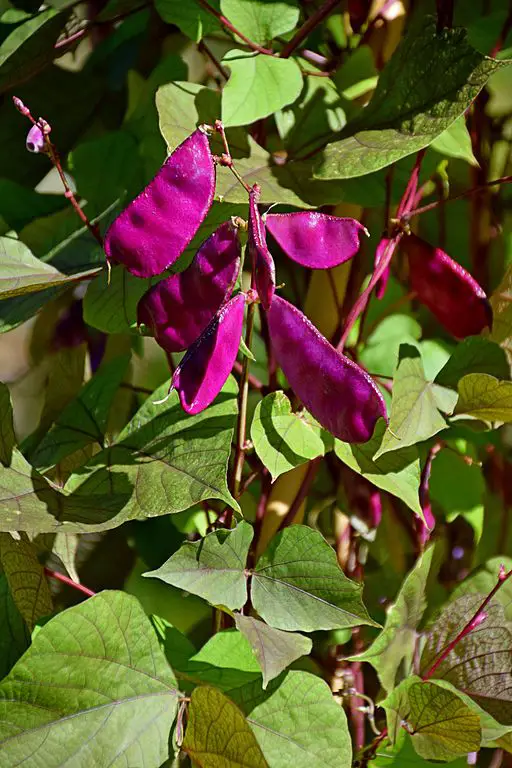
(36, 140)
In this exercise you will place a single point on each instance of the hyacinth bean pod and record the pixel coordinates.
(314, 239)
(156, 227)
(339, 394)
(203, 371)
(263, 263)
(447, 289)
(179, 308)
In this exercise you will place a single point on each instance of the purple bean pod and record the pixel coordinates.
(263, 264)
(156, 227)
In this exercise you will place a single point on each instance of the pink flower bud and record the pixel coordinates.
(35, 140)
(263, 263)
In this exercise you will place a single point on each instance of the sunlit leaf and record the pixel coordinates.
(485, 397)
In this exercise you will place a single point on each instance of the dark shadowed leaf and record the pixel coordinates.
(194, 21)
(14, 634)
(476, 354)
(25, 576)
(226, 661)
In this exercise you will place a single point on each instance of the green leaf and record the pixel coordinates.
(485, 397)
(475, 354)
(482, 581)
(7, 436)
(94, 688)
(26, 578)
(380, 353)
(402, 755)
(397, 472)
(455, 142)
(14, 634)
(258, 86)
(218, 734)
(19, 205)
(430, 81)
(226, 661)
(392, 652)
(441, 725)
(480, 665)
(282, 439)
(414, 413)
(297, 722)
(274, 649)
(213, 568)
(297, 584)
(261, 20)
(110, 305)
(501, 303)
(193, 20)
(84, 420)
(21, 272)
(29, 47)
(456, 487)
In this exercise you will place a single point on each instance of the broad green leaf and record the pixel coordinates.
(14, 634)
(84, 420)
(282, 439)
(402, 755)
(358, 74)
(430, 81)
(476, 354)
(480, 665)
(483, 580)
(193, 20)
(380, 353)
(25, 576)
(297, 722)
(94, 688)
(441, 725)
(392, 652)
(218, 734)
(29, 47)
(414, 412)
(226, 661)
(485, 397)
(258, 86)
(455, 142)
(213, 568)
(22, 273)
(261, 20)
(274, 649)
(457, 488)
(7, 436)
(110, 305)
(501, 303)
(397, 472)
(65, 548)
(297, 584)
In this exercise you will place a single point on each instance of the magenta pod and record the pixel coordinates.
(313, 239)
(263, 263)
(339, 394)
(447, 289)
(179, 308)
(203, 371)
(156, 227)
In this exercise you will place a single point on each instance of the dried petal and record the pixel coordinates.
(203, 371)
(315, 240)
(156, 227)
(35, 140)
(339, 394)
(447, 289)
(264, 268)
(179, 308)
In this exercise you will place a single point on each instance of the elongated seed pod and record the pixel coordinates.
(203, 371)
(179, 308)
(314, 239)
(156, 227)
(263, 263)
(339, 394)
(447, 289)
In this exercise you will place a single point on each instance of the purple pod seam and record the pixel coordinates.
(263, 264)
(154, 230)
(179, 308)
(446, 288)
(315, 240)
(203, 371)
(339, 394)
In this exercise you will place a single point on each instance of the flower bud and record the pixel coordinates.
(36, 140)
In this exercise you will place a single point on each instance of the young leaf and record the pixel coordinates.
(441, 725)
(455, 142)
(297, 584)
(397, 472)
(297, 722)
(476, 354)
(442, 74)
(226, 660)
(218, 733)
(392, 653)
(115, 716)
(84, 420)
(14, 633)
(213, 568)
(274, 649)
(26, 578)
(194, 21)
(485, 397)
(261, 20)
(414, 411)
(258, 86)
(282, 439)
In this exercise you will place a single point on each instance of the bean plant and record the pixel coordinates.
(256, 383)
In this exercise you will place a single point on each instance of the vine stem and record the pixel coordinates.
(314, 20)
(229, 26)
(70, 583)
(242, 412)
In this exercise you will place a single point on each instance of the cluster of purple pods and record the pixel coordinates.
(198, 310)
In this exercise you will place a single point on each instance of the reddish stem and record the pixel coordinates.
(66, 580)
(228, 25)
(473, 190)
(314, 20)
